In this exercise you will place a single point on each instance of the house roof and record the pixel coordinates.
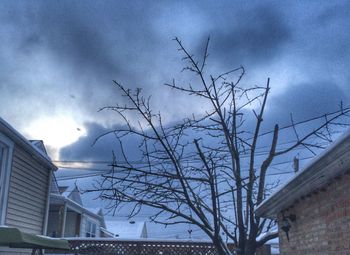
(96, 210)
(69, 193)
(125, 229)
(54, 186)
(40, 145)
(14, 135)
(59, 199)
(332, 162)
(72, 192)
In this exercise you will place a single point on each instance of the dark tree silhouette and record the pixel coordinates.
(194, 171)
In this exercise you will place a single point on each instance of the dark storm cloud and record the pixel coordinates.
(94, 36)
(303, 101)
(79, 47)
(60, 56)
(333, 13)
(316, 98)
(87, 36)
(252, 36)
(87, 149)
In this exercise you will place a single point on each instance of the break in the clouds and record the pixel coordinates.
(58, 58)
(99, 145)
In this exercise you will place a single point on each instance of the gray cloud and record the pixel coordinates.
(303, 101)
(60, 56)
(254, 36)
(62, 48)
(316, 99)
(88, 148)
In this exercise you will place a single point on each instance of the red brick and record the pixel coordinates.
(323, 222)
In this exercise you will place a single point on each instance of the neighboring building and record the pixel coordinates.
(314, 207)
(275, 247)
(128, 230)
(271, 247)
(69, 218)
(25, 177)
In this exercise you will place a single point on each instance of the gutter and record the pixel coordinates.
(104, 230)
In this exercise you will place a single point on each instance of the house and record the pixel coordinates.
(271, 247)
(128, 230)
(25, 178)
(275, 248)
(313, 208)
(69, 218)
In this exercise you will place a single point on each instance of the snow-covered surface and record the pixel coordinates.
(66, 197)
(56, 197)
(263, 235)
(40, 145)
(54, 185)
(315, 159)
(51, 238)
(95, 210)
(308, 167)
(157, 240)
(70, 191)
(274, 243)
(125, 229)
(67, 189)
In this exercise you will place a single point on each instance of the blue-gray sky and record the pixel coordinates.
(58, 59)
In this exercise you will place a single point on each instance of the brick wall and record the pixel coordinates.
(322, 223)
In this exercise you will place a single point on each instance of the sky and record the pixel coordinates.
(58, 60)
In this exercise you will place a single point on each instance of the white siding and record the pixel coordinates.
(27, 195)
(86, 218)
(71, 224)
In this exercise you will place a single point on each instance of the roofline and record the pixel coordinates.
(12, 133)
(332, 162)
(74, 205)
(106, 231)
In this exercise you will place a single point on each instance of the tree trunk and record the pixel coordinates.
(250, 250)
(221, 250)
(221, 247)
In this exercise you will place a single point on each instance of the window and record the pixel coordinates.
(6, 147)
(90, 229)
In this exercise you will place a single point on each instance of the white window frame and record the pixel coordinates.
(88, 231)
(89, 226)
(5, 174)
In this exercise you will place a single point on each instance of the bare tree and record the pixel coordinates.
(204, 170)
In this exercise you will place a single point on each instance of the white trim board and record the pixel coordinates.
(5, 175)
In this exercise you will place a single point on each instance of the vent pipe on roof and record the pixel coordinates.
(296, 164)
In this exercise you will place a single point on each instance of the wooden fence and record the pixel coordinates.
(98, 246)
